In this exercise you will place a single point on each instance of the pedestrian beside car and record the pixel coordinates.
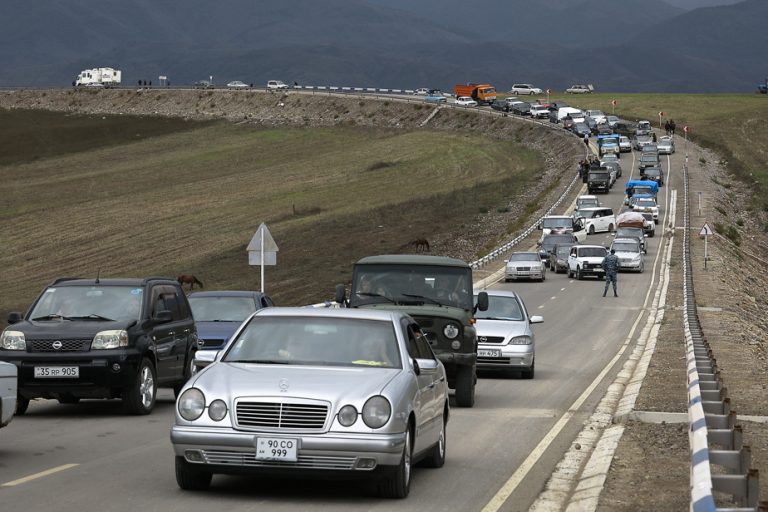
(672, 127)
(667, 127)
(611, 267)
(586, 140)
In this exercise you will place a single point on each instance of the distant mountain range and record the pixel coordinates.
(622, 46)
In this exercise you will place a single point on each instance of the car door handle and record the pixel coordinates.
(171, 333)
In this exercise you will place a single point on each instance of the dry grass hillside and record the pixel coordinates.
(367, 178)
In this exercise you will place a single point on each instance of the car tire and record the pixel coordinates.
(22, 404)
(140, 397)
(611, 227)
(436, 457)
(465, 386)
(579, 275)
(543, 275)
(190, 478)
(398, 484)
(528, 373)
(592, 229)
(189, 371)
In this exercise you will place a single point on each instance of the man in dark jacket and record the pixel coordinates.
(611, 267)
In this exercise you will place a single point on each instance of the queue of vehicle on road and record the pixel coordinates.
(319, 391)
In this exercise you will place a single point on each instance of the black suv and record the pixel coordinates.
(102, 338)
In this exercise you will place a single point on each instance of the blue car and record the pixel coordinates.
(218, 314)
(435, 96)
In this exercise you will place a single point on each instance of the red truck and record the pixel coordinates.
(481, 93)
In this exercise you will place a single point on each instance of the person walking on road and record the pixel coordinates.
(611, 267)
(672, 127)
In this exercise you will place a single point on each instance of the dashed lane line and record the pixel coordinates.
(39, 475)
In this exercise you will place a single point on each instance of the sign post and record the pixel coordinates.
(549, 91)
(699, 196)
(705, 232)
(613, 106)
(661, 114)
(262, 250)
(685, 132)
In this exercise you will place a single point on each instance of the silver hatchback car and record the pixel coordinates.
(315, 392)
(505, 339)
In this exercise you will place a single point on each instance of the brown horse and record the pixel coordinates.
(190, 280)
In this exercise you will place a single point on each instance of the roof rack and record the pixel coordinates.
(159, 278)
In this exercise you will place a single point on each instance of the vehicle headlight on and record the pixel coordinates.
(451, 331)
(520, 340)
(217, 410)
(191, 404)
(348, 415)
(13, 340)
(376, 411)
(110, 339)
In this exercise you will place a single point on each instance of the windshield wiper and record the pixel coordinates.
(92, 316)
(430, 299)
(370, 294)
(52, 316)
(258, 361)
(498, 318)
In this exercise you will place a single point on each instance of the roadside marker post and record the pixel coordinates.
(613, 106)
(262, 250)
(698, 194)
(705, 232)
(661, 114)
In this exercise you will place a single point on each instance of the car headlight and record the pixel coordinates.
(217, 410)
(110, 339)
(520, 340)
(348, 415)
(451, 331)
(636, 257)
(376, 411)
(13, 340)
(191, 404)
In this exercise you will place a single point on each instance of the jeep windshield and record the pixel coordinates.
(626, 247)
(602, 175)
(563, 222)
(412, 285)
(592, 252)
(550, 241)
(91, 303)
(642, 190)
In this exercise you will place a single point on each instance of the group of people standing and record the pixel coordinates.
(669, 127)
(591, 162)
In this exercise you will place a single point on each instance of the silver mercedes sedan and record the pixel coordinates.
(505, 340)
(315, 392)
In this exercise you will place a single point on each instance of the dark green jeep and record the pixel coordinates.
(437, 292)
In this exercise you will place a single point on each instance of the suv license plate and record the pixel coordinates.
(57, 372)
(489, 353)
(276, 448)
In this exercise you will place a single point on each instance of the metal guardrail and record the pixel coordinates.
(711, 419)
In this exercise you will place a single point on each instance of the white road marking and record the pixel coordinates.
(39, 475)
(553, 297)
(541, 307)
(562, 289)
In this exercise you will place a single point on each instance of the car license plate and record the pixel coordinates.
(57, 372)
(276, 448)
(489, 353)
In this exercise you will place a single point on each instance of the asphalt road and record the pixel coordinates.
(90, 457)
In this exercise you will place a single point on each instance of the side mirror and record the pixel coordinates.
(205, 357)
(416, 367)
(162, 317)
(425, 365)
(645, 235)
(536, 319)
(15, 317)
(482, 301)
(539, 227)
(341, 294)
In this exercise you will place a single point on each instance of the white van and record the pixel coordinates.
(276, 84)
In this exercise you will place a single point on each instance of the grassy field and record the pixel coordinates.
(733, 125)
(187, 198)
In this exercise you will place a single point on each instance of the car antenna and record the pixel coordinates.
(98, 272)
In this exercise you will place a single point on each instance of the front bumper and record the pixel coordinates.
(525, 272)
(103, 373)
(510, 356)
(630, 265)
(225, 450)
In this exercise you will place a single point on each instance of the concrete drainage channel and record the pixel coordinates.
(712, 422)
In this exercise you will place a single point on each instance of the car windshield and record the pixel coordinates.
(589, 252)
(642, 190)
(563, 222)
(647, 216)
(524, 256)
(630, 232)
(221, 309)
(298, 340)
(651, 172)
(412, 284)
(598, 174)
(626, 247)
(97, 302)
(501, 308)
(563, 251)
(551, 240)
(646, 202)
(587, 214)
